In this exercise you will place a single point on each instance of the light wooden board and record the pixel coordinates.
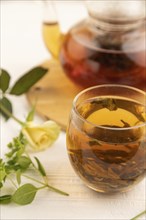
(54, 94)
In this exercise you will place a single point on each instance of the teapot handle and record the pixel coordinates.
(52, 35)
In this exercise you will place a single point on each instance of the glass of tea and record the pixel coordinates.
(106, 137)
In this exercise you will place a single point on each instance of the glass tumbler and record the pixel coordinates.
(106, 137)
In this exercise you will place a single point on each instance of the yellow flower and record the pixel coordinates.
(41, 136)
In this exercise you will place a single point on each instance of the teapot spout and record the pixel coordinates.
(52, 35)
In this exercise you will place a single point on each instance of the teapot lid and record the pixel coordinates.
(117, 11)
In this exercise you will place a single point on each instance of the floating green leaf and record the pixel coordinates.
(94, 142)
(25, 194)
(126, 125)
(7, 104)
(5, 199)
(4, 80)
(40, 167)
(110, 104)
(24, 83)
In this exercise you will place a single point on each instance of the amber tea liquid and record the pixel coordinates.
(51, 36)
(107, 158)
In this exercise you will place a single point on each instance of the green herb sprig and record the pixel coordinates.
(17, 162)
(139, 215)
(21, 86)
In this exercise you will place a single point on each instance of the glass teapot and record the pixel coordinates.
(109, 46)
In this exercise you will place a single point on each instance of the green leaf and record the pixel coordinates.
(26, 81)
(40, 167)
(25, 194)
(2, 170)
(1, 184)
(94, 142)
(2, 174)
(110, 104)
(126, 125)
(7, 104)
(24, 162)
(10, 145)
(137, 216)
(4, 80)
(18, 176)
(11, 153)
(30, 115)
(5, 199)
(20, 151)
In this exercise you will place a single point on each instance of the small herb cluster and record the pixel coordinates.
(14, 168)
(21, 86)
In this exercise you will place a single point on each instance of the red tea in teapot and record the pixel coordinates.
(91, 58)
(107, 47)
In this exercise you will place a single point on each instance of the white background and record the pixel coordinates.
(21, 49)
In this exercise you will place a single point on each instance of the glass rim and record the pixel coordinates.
(101, 86)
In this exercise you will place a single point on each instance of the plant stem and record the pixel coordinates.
(57, 190)
(46, 185)
(137, 216)
(10, 115)
(32, 163)
(27, 154)
(31, 178)
(13, 183)
(42, 187)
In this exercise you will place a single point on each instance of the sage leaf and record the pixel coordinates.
(25, 194)
(4, 80)
(7, 104)
(24, 162)
(24, 83)
(5, 199)
(40, 167)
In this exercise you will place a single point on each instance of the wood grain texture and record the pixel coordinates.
(54, 94)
